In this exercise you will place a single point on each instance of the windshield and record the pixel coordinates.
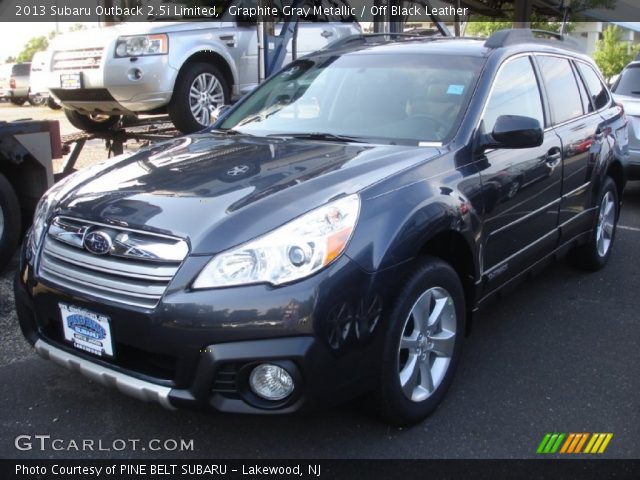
(629, 82)
(392, 98)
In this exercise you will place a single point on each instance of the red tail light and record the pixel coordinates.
(12, 83)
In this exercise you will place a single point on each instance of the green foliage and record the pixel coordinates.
(612, 54)
(36, 44)
(485, 27)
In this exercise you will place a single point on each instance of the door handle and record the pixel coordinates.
(553, 157)
(327, 33)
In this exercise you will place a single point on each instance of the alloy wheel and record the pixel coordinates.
(427, 344)
(205, 96)
(606, 224)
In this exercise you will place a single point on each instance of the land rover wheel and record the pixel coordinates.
(422, 345)
(18, 101)
(10, 221)
(200, 90)
(91, 123)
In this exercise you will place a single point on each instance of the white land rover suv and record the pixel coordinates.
(187, 69)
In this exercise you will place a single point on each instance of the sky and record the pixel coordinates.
(15, 35)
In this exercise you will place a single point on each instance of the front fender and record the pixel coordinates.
(401, 222)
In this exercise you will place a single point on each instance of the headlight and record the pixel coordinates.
(139, 45)
(296, 250)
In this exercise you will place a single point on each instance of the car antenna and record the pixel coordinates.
(566, 10)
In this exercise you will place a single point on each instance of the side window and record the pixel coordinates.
(562, 88)
(515, 92)
(597, 90)
(584, 96)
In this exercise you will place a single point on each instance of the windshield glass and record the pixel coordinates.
(393, 98)
(629, 82)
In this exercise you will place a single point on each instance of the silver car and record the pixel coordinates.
(626, 91)
(187, 69)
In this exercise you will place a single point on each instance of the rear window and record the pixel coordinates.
(21, 69)
(629, 82)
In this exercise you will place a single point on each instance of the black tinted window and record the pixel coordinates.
(562, 89)
(21, 69)
(597, 90)
(515, 93)
(629, 82)
(584, 96)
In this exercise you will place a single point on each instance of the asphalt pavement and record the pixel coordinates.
(558, 354)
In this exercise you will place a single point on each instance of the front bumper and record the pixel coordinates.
(195, 349)
(113, 89)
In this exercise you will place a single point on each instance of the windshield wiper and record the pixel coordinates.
(319, 136)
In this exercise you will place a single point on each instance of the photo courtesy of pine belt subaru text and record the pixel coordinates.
(322, 241)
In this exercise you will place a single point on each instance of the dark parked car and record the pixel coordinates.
(359, 236)
(626, 91)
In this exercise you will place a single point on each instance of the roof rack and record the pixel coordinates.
(503, 38)
(373, 38)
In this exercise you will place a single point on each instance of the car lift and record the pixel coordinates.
(272, 52)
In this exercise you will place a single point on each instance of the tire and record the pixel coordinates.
(183, 108)
(93, 123)
(595, 254)
(435, 285)
(10, 221)
(37, 100)
(52, 104)
(18, 101)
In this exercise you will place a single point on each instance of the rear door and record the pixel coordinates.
(521, 186)
(579, 128)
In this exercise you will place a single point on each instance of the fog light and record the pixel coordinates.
(271, 382)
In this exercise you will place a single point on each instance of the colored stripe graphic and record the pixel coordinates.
(573, 443)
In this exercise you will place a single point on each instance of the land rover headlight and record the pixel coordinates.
(141, 45)
(291, 252)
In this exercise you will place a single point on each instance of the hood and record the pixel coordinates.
(99, 37)
(220, 190)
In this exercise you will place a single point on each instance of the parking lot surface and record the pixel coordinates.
(558, 354)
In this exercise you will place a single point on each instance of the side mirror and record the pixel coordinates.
(514, 131)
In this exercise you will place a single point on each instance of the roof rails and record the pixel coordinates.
(374, 38)
(504, 38)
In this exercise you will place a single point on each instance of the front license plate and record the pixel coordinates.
(87, 330)
(71, 80)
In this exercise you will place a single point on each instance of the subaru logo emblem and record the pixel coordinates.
(98, 243)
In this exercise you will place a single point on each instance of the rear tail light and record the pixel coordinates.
(12, 83)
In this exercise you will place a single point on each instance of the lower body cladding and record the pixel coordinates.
(253, 349)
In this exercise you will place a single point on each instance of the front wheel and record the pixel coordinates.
(10, 221)
(200, 90)
(18, 101)
(596, 252)
(91, 123)
(423, 344)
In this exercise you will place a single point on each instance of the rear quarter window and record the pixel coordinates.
(597, 90)
(21, 69)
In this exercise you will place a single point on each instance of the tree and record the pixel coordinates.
(36, 44)
(613, 54)
(10, 59)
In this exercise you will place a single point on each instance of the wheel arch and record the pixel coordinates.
(615, 170)
(207, 55)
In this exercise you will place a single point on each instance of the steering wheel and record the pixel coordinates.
(440, 127)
